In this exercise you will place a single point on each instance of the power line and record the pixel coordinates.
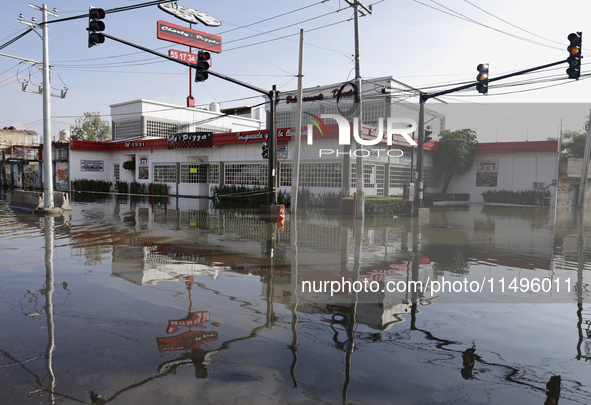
(513, 25)
(272, 18)
(462, 17)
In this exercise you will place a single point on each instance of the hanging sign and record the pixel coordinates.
(185, 36)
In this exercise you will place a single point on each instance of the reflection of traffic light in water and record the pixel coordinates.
(553, 390)
(468, 361)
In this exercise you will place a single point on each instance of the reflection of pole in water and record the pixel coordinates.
(416, 255)
(294, 296)
(579, 285)
(352, 316)
(49, 288)
(270, 270)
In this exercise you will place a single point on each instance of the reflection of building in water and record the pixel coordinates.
(149, 264)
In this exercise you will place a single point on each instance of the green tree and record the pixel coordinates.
(573, 144)
(456, 154)
(91, 128)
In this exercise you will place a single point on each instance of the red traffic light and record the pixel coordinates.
(96, 13)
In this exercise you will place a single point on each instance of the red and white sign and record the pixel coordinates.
(186, 36)
(185, 56)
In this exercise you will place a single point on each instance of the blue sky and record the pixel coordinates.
(422, 43)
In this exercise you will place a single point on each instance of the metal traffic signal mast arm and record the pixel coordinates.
(425, 96)
(191, 65)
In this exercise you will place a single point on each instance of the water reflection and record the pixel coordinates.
(160, 305)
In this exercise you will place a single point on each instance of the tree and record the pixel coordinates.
(573, 144)
(456, 154)
(91, 128)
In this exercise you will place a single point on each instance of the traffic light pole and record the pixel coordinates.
(273, 99)
(418, 202)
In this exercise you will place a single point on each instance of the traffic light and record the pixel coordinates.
(95, 26)
(428, 136)
(265, 152)
(574, 58)
(482, 78)
(203, 61)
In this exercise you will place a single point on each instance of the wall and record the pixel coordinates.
(515, 171)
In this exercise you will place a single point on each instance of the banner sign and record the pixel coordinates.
(186, 36)
(190, 140)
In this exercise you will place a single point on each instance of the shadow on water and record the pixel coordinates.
(138, 303)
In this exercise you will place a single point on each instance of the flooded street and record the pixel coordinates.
(120, 303)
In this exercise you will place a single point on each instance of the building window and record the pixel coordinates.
(60, 154)
(380, 171)
(399, 175)
(159, 129)
(165, 173)
(254, 174)
(285, 175)
(127, 129)
(214, 174)
(193, 173)
(320, 175)
(369, 176)
(116, 172)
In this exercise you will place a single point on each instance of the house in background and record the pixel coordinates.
(513, 166)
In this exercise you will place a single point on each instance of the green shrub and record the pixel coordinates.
(96, 186)
(525, 197)
(377, 206)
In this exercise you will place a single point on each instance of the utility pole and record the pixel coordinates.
(47, 152)
(360, 208)
(295, 174)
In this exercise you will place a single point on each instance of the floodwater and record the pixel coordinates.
(120, 303)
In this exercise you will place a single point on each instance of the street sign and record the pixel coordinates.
(185, 36)
(189, 15)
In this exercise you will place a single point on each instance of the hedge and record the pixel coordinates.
(377, 206)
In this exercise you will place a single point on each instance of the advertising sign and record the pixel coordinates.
(191, 140)
(487, 172)
(186, 36)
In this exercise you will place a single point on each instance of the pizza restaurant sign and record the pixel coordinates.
(318, 97)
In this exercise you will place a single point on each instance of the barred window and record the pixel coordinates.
(116, 171)
(285, 174)
(214, 174)
(161, 129)
(253, 174)
(128, 129)
(399, 175)
(372, 113)
(193, 173)
(380, 171)
(369, 176)
(165, 173)
(320, 175)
